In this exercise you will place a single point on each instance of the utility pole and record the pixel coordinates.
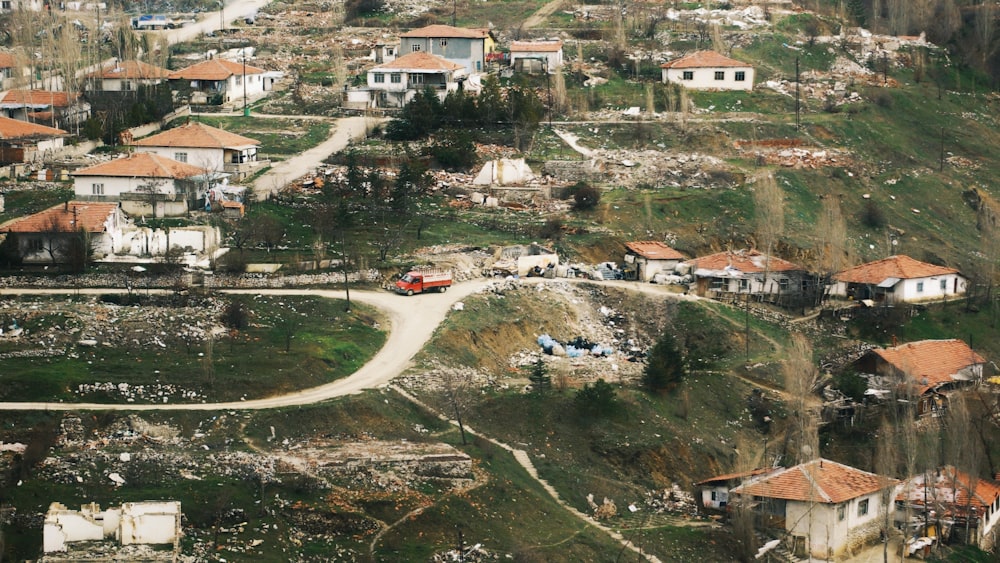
(941, 158)
(343, 265)
(548, 86)
(246, 110)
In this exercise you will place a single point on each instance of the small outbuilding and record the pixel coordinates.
(536, 56)
(645, 259)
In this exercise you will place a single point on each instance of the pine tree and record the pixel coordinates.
(665, 367)
(540, 379)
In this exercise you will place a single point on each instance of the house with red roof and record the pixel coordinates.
(393, 84)
(708, 70)
(953, 501)
(715, 490)
(825, 507)
(536, 56)
(224, 80)
(926, 370)
(61, 233)
(9, 74)
(23, 141)
(207, 147)
(145, 184)
(468, 47)
(57, 109)
(125, 76)
(734, 272)
(646, 258)
(898, 279)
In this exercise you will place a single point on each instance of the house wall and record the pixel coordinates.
(704, 78)
(143, 241)
(552, 60)
(64, 526)
(209, 159)
(647, 268)
(756, 284)
(150, 523)
(721, 494)
(470, 53)
(911, 290)
(827, 534)
(234, 86)
(125, 85)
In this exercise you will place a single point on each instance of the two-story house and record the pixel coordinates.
(146, 184)
(467, 47)
(226, 81)
(393, 84)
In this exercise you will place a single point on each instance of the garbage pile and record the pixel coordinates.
(575, 348)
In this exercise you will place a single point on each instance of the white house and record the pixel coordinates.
(145, 184)
(468, 47)
(47, 237)
(23, 141)
(393, 84)
(207, 147)
(124, 76)
(58, 109)
(708, 70)
(536, 56)
(148, 523)
(715, 490)
(227, 79)
(825, 506)
(898, 279)
(645, 259)
(743, 272)
(957, 500)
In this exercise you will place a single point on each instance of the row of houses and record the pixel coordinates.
(896, 279)
(826, 509)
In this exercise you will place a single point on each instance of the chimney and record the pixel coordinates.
(895, 342)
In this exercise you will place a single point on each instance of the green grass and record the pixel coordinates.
(18, 203)
(279, 138)
(326, 344)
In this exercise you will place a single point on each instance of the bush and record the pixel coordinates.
(551, 229)
(851, 384)
(236, 316)
(454, 150)
(872, 215)
(882, 99)
(596, 399)
(585, 196)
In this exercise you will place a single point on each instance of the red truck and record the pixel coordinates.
(419, 281)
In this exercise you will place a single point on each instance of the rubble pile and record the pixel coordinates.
(673, 500)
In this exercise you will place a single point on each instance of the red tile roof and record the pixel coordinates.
(951, 489)
(65, 217)
(7, 60)
(653, 250)
(704, 59)
(535, 46)
(39, 98)
(740, 475)
(902, 267)
(214, 69)
(447, 31)
(820, 480)
(197, 135)
(930, 362)
(143, 165)
(130, 69)
(17, 129)
(745, 261)
(419, 60)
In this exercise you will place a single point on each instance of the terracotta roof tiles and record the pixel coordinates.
(130, 69)
(704, 59)
(65, 217)
(930, 362)
(820, 480)
(739, 475)
(745, 261)
(17, 129)
(197, 135)
(900, 266)
(419, 60)
(214, 69)
(951, 489)
(653, 250)
(447, 31)
(39, 98)
(7, 60)
(143, 165)
(535, 46)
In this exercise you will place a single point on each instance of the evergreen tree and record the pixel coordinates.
(540, 380)
(665, 367)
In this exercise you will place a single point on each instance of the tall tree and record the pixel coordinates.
(769, 217)
(801, 378)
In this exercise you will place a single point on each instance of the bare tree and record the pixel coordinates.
(832, 239)
(986, 24)
(801, 378)
(769, 217)
(749, 457)
(456, 387)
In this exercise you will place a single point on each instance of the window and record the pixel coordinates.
(944, 285)
(416, 79)
(239, 80)
(783, 284)
(720, 75)
(379, 78)
(920, 287)
(35, 244)
(744, 284)
(841, 512)
(97, 189)
(688, 75)
(479, 65)
(863, 507)
(181, 156)
(444, 42)
(714, 496)
(416, 48)
(740, 76)
(395, 78)
(390, 51)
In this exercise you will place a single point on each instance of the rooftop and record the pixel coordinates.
(17, 129)
(65, 217)
(447, 31)
(197, 135)
(38, 98)
(130, 69)
(653, 250)
(419, 60)
(930, 362)
(143, 165)
(820, 480)
(704, 59)
(214, 69)
(535, 46)
(743, 261)
(900, 266)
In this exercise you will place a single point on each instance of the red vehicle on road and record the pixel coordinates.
(419, 281)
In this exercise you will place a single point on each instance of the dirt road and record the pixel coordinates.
(345, 130)
(538, 17)
(212, 21)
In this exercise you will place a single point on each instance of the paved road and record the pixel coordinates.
(212, 21)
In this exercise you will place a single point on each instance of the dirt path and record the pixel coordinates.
(538, 17)
(344, 131)
(571, 140)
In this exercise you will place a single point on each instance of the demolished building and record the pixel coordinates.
(133, 523)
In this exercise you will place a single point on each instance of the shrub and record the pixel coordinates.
(236, 316)
(551, 229)
(872, 215)
(882, 99)
(665, 367)
(585, 196)
(596, 399)
(851, 384)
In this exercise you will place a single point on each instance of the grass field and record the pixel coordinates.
(278, 138)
